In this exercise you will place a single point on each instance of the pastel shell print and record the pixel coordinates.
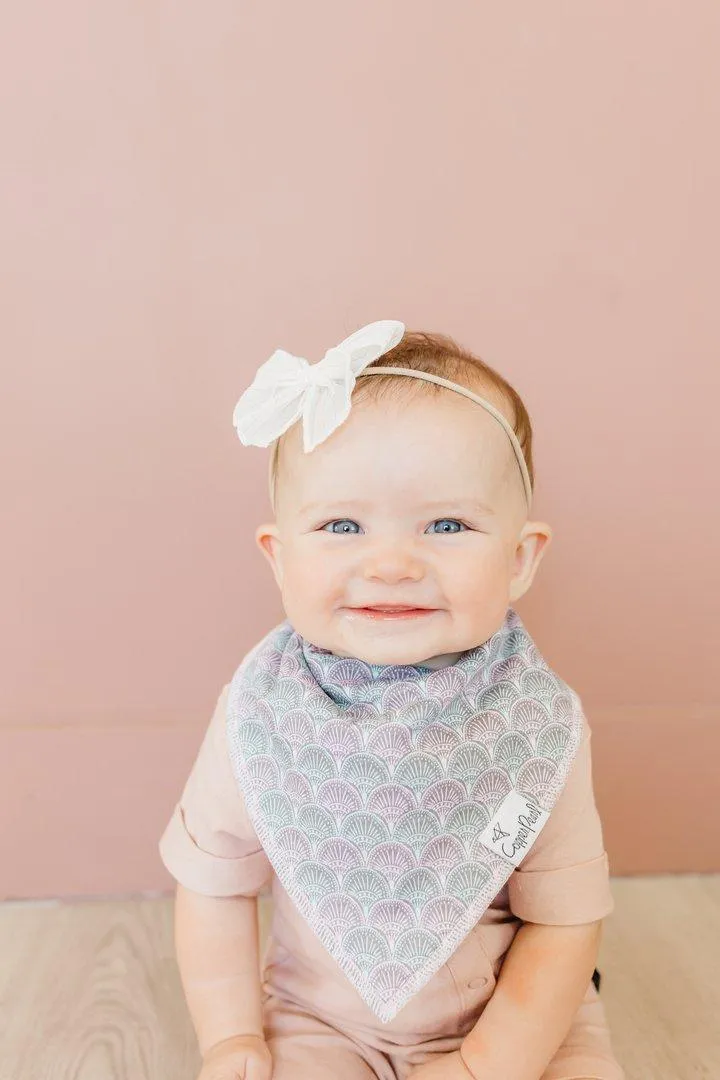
(467, 762)
(511, 751)
(445, 684)
(340, 738)
(347, 672)
(369, 787)
(529, 716)
(315, 822)
(492, 787)
(509, 670)
(393, 859)
(416, 828)
(366, 886)
(442, 796)
(563, 709)
(467, 820)
(415, 947)
(393, 673)
(276, 808)
(418, 770)
(339, 854)
(295, 727)
(391, 742)
(467, 880)
(551, 741)
(317, 764)
(391, 801)
(366, 946)
(442, 853)
(287, 694)
(418, 886)
(264, 771)
(498, 697)
(389, 979)
(315, 880)
(419, 714)
(339, 798)
(536, 778)
(365, 772)
(339, 912)
(294, 844)
(486, 728)
(399, 695)
(253, 738)
(439, 740)
(295, 785)
(281, 752)
(441, 915)
(364, 829)
(539, 684)
(392, 917)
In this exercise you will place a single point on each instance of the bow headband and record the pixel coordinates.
(287, 387)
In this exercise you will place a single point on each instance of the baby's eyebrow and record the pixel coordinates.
(454, 505)
(458, 504)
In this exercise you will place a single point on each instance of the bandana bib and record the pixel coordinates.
(395, 801)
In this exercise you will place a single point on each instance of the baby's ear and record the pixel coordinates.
(532, 544)
(267, 538)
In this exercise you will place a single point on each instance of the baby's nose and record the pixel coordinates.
(393, 562)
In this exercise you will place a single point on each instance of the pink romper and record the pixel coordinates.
(316, 1024)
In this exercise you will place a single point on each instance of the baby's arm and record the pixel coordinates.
(216, 941)
(542, 982)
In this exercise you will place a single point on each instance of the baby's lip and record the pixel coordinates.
(390, 607)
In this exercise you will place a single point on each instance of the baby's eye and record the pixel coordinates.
(344, 522)
(448, 521)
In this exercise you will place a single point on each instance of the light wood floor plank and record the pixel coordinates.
(659, 959)
(90, 991)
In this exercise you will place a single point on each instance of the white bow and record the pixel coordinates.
(287, 387)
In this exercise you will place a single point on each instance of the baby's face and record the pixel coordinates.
(416, 503)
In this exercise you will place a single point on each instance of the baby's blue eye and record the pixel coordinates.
(340, 521)
(451, 521)
(352, 530)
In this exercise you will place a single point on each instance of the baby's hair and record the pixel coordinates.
(435, 354)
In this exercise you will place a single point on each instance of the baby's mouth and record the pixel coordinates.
(391, 611)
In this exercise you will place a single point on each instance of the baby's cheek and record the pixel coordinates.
(479, 602)
(309, 583)
(478, 579)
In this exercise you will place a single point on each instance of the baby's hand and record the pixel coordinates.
(241, 1057)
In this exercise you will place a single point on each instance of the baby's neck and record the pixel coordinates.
(444, 660)
(433, 662)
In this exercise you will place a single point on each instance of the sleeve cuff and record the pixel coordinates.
(564, 897)
(203, 872)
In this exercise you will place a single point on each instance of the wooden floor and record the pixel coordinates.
(90, 991)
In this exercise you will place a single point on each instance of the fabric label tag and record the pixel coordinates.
(515, 827)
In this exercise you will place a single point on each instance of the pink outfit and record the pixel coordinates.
(317, 1025)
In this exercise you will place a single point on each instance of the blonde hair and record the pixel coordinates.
(434, 354)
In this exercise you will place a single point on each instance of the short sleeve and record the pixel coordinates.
(209, 844)
(564, 878)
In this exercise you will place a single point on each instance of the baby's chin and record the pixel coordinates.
(384, 644)
(402, 658)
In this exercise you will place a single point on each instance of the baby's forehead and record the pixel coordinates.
(400, 446)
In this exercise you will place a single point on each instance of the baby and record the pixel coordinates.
(396, 758)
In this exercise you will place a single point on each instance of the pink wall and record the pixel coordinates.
(185, 187)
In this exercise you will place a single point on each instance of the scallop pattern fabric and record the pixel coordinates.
(369, 786)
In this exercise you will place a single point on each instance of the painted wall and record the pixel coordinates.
(185, 187)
